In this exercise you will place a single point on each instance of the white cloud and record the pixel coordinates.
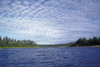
(26, 2)
(17, 2)
(32, 7)
(4, 2)
(18, 9)
(26, 12)
(5, 8)
(51, 20)
(13, 4)
(41, 1)
(36, 5)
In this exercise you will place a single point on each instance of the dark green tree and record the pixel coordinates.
(0, 39)
(84, 42)
(6, 40)
(99, 41)
(95, 40)
(79, 42)
(90, 41)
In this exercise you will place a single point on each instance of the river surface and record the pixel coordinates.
(50, 57)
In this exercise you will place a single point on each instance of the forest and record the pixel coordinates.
(6, 42)
(87, 42)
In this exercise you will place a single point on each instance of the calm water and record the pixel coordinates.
(50, 57)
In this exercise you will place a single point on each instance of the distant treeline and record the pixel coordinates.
(87, 42)
(7, 42)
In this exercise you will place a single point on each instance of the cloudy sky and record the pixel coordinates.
(50, 21)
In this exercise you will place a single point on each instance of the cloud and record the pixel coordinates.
(17, 2)
(41, 1)
(26, 2)
(58, 21)
(36, 5)
(4, 2)
(51, 3)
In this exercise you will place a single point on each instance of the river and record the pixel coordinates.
(50, 57)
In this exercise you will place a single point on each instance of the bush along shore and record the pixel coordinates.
(6, 42)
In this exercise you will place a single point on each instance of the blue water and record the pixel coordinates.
(50, 57)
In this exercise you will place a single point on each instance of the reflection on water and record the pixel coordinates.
(50, 57)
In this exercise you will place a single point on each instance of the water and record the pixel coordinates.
(50, 57)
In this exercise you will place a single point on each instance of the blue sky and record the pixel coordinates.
(50, 21)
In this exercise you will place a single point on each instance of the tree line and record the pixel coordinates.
(8, 42)
(87, 42)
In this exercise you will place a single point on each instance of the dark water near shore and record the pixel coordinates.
(50, 57)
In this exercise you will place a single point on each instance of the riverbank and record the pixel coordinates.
(41, 46)
(86, 46)
(96, 46)
(36, 46)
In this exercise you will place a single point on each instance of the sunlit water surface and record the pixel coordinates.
(50, 57)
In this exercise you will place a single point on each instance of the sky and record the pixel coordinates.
(50, 21)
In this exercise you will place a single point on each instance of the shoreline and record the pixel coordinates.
(48, 46)
(87, 46)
